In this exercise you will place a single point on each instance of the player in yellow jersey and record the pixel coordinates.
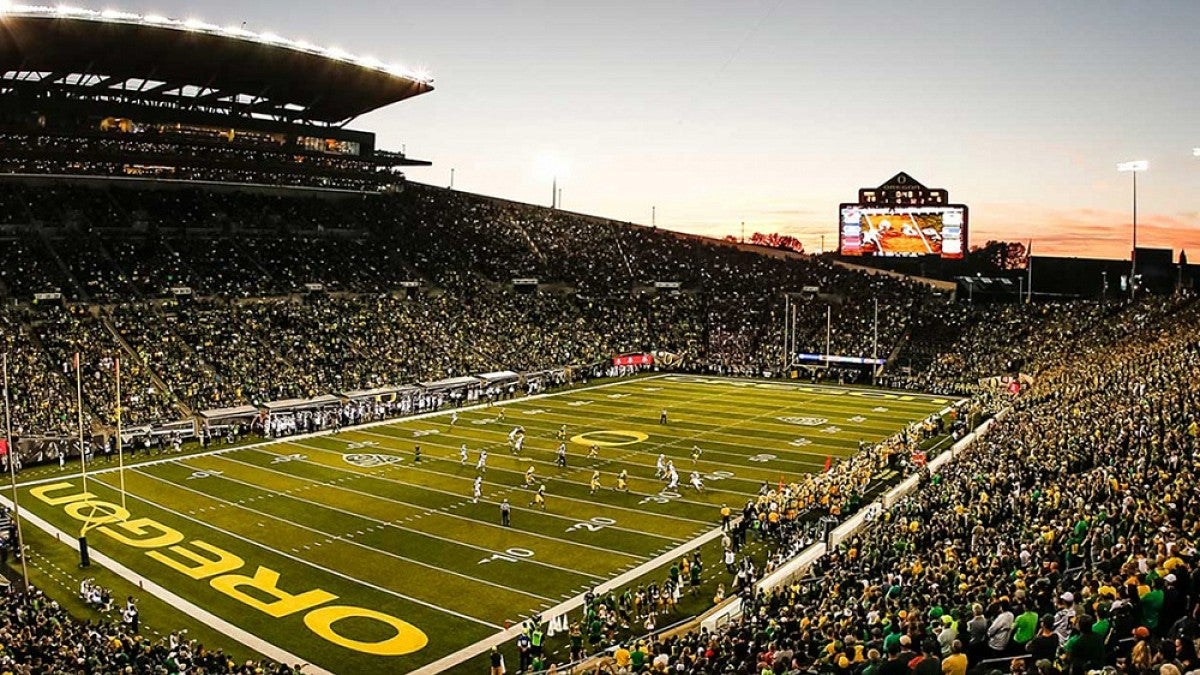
(539, 498)
(623, 481)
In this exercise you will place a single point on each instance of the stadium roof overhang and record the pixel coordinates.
(190, 65)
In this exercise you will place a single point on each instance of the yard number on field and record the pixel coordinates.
(294, 457)
(511, 555)
(593, 524)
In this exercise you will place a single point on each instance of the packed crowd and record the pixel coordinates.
(37, 635)
(220, 298)
(1063, 542)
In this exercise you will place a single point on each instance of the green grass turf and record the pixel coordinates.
(405, 538)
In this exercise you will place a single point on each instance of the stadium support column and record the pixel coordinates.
(828, 333)
(875, 344)
(11, 455)
(787, 313)
(554, 193)
(792, 350)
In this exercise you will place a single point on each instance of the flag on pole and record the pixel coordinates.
(828, 463)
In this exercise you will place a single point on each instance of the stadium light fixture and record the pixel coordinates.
(1134, 167)
(195, 25)
(1195, 152)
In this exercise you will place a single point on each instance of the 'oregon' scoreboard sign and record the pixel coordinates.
(902, 218)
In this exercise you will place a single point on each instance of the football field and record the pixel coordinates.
(343, 550)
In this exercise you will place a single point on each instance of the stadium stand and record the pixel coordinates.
(280, 255)
(1063, 543)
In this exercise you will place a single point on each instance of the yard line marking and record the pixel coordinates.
(330, 537)
(380, 524)
(558, 476)
(514, 506)
(429, 511)
(342, 575)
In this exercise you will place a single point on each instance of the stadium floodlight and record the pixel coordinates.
(1134, 167)
(1195, 152)
(370, 62)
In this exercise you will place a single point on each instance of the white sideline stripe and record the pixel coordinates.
(471, 651)
(331, 432)
(220, 625)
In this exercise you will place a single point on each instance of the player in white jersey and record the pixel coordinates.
(519, 444)
(595, 482)
(529, 477)
(478, 489)
(696, 452)
(462, 454)
(660, 467)
(561, 459)
(481, 465)
(672, 479)
(696, 482)
(623, 481)
(454, 418)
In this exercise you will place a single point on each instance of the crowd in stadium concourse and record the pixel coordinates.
(1063, 542)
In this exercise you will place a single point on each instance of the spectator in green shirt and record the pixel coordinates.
(1085, 649)
(1152, 604)
(1025, 625)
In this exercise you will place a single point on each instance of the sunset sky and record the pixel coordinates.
(774, 111)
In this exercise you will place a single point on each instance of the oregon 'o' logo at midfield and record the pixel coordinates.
(610, 437)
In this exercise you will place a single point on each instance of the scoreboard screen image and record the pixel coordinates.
(903, 231)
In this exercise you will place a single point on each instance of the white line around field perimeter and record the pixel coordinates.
(195, 611)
